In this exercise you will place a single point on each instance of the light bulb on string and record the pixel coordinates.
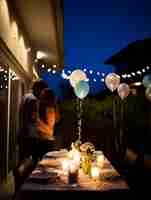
(143, 70)
(94, 80)
(133, 73)
(43, 66)
(102, 79)
(147, 67)
(138, 72)
(103, 74)
(49, 70)
(91, 71)
(98, 73)
(54, 66)
(53, 71)
(123, 75)
(85, 70)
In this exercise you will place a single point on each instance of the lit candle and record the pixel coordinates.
(100, 160)
(73, 166)
(95, 172)
(65, 166)
(75, 155)
(70, 154)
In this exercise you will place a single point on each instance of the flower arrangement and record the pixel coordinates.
(84, 154)
(87, 156)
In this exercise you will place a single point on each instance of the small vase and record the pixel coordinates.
(86, 165)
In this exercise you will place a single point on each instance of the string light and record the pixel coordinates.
(91, 71)
(53, 71)
(40, 55)
(124, 75)
(138, 72)
(147, 67)
(98, 73)
(133, 74)
(54, 66)
(65, 76)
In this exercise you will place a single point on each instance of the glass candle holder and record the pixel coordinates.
(100, 160)
(65, 166)
(73, 172)
(73, 177)
(95, 172)
(86, 164)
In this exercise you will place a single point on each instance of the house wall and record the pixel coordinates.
(12, 34)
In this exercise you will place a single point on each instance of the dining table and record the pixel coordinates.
(49, 177)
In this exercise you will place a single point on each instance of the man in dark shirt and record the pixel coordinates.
(28, 117)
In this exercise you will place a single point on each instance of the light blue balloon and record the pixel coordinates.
(81, 89)
(147, 80)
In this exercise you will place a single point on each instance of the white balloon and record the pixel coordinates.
(123, 90)
(76, 76)
(112, 81)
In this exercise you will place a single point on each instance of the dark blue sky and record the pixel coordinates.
(96, 29)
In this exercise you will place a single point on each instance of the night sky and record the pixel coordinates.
(94, 30)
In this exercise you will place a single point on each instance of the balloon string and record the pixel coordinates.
(79, 119)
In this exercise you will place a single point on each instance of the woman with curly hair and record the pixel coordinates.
(48, 117)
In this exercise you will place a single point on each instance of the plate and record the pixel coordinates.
(49, 163)
(42, 177)
(61, 153)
